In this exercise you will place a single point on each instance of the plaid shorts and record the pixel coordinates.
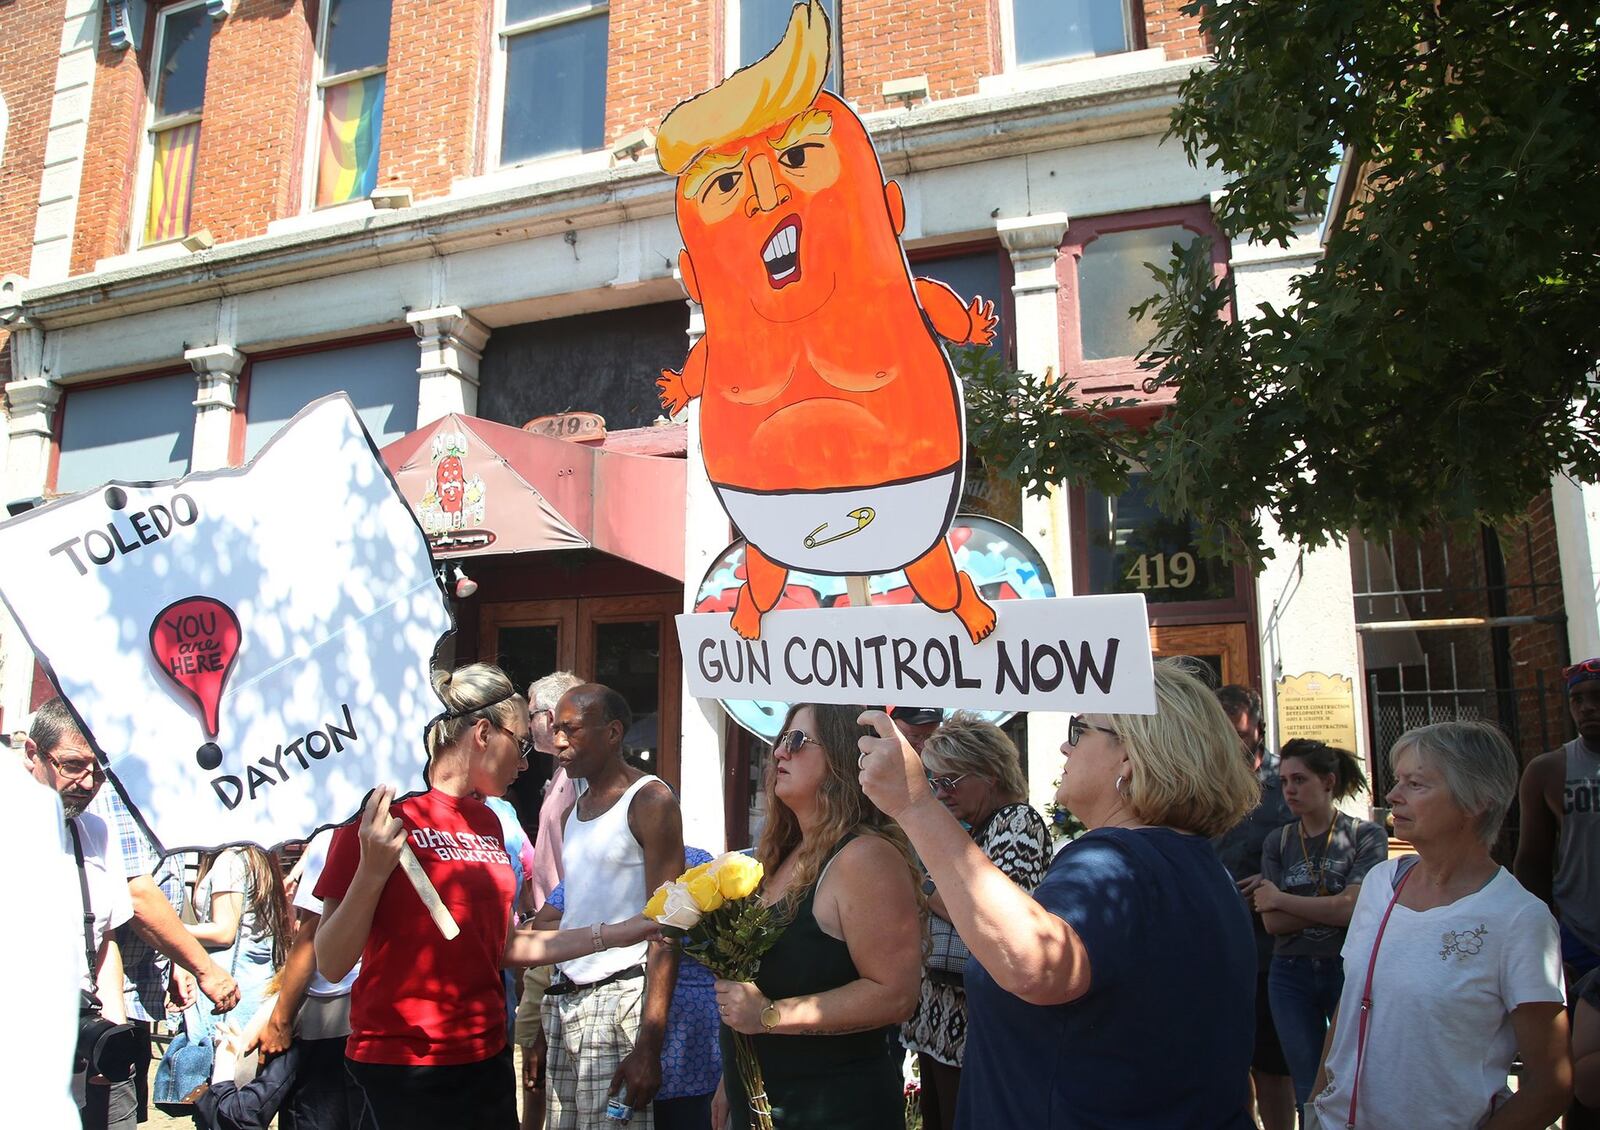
(588, 1033)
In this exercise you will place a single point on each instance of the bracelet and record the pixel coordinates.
(599, 941)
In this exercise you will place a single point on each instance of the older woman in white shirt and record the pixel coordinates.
(1467, 970)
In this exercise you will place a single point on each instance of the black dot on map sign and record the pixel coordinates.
(209, 756)
(116, 498)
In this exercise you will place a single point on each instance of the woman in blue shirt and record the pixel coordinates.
(1120, 994)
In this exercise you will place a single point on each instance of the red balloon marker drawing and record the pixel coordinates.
(195, 641)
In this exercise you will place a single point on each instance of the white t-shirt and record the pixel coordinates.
(108, 885)
(230, 873)
(311, 865)
(1439, 1035)
(45, 958)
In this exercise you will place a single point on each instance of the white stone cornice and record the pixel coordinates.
(31, 404)
(452, 342)
(1033, 243)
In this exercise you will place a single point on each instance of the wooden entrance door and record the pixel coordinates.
(1225, 648)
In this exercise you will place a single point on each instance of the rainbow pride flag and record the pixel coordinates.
(172, 183)
(352, 119)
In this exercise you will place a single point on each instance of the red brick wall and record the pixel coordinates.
(952, 43)
(658, 55)
(111, 165)
(1165, 25)
(1538, 651)
(30, 40)
(432, 123)
(252, 133)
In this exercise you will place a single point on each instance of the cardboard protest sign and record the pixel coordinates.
(832, 423)
(1090, 653)
(831, 420)
(248, 650)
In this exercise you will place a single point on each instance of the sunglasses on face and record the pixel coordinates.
(524, 744)
(947, 784)
(790, 741)
(1078, 727)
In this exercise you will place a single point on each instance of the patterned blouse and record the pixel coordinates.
(1016, 840)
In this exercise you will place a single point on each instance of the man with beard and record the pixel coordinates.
(59, 758)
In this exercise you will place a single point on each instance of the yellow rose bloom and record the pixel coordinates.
(696, 871)
(704, 890)
(737, 874)
(657, 904)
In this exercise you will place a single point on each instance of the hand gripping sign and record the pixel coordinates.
(248, 650)
(831, 421)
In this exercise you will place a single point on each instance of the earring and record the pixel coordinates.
(1121, 785)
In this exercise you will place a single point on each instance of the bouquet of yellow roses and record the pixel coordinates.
(714, 915)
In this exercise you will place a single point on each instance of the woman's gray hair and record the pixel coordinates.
(965, 743)
(1478, 764)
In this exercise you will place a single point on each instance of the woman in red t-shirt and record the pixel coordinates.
(427, 1016)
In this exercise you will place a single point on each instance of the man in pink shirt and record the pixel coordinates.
(560, 795)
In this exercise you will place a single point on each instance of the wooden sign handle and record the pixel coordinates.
(428, 893)
(860, 590)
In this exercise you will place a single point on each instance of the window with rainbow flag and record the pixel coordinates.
(353, 61)
(178, 92)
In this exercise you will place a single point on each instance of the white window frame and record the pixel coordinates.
(497, 77)
(320, 82)
(730, 43)
(147, 148)
(1008, 40)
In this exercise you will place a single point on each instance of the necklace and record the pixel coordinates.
(1318, 868)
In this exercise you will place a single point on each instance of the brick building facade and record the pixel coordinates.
(213, 211)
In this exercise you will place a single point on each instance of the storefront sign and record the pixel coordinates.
(1317, 706)
(1077, 654)
(249, 649)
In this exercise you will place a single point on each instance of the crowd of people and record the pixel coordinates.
(1225, 943)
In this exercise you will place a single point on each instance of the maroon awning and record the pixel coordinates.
(484, 488)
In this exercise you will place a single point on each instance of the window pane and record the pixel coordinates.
(142, 430)
(555, 90)
(171, 183)
(347, 160)
(519, 11)
(1112, 279)
(380, 379)
(761, 26)
(358, 36)
(185, 47)
(970, 275)
(1133, 547)
(1060, 29)
(627, 658)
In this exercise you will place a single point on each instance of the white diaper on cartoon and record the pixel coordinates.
(802, 529)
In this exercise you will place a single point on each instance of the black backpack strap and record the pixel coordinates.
(83, 889)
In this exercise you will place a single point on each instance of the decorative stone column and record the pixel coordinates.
(1034, 244)
(452, 349)
(217, 369)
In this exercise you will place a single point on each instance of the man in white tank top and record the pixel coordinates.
(605, 1015)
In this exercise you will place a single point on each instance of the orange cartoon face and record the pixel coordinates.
(785, 219)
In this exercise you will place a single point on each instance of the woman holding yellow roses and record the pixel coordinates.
(845, 972)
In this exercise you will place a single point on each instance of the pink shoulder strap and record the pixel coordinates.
(1366, 993)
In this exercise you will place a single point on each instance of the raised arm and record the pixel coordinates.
(1030, 952)
(225, 910)
(347, 921)
(970, 323)
(677, 389)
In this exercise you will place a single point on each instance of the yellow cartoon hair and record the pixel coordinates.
(777, 86)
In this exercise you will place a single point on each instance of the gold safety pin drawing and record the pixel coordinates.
(863, 517)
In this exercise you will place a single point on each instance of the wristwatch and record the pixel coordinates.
(769, 1016)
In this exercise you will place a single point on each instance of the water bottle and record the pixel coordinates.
(617, 1108)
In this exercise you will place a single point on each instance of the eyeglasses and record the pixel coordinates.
(74, 771)
(1077, 727)
(524, 744)
(549, 716)
(790, 741)
(947, 784)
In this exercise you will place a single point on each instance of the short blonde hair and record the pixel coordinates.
(478, 690)
(965, 743)
(773, 89)
(1187, 772)
(1478, 765)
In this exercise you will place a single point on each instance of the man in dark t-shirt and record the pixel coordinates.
(1239, 849)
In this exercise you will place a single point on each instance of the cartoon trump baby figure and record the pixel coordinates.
(830, 417)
